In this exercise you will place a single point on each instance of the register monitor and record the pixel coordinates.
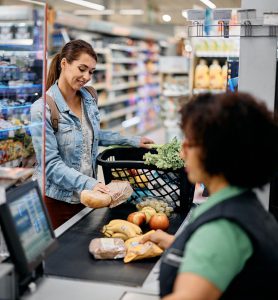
(27, 229)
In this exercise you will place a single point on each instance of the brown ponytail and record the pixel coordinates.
(54, 71)
(71, 51)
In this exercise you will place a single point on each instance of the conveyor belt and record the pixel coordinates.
(72, 258)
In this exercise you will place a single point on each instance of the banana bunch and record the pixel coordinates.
(121, 229)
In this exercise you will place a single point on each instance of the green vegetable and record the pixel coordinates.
(167, 157)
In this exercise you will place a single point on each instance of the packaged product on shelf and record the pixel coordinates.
(215, 75)
(202, 75)
(224, 75)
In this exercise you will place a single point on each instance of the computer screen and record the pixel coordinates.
(31, 224)
(26, 227)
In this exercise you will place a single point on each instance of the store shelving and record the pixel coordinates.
(209, 49)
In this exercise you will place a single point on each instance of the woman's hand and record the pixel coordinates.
(145, 142)
(161, 238)
(101, 188)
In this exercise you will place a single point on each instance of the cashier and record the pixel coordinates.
(229, 249)
(70, 153)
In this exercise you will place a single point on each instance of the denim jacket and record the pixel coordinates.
(63, 149)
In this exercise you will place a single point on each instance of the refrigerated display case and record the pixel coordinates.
(22, 74)
(21, 81)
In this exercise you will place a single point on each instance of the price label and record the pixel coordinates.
(222, 14)
(271, 19)
(196, 15)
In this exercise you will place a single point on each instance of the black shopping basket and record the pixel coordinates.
(147, 180)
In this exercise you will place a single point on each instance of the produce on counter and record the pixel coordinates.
(158, 205)
(137, 251)
(149, 212)
(159, 221)
(137, 218)
(121, 229)
(95, 199)
(167, 157)
(107, 248)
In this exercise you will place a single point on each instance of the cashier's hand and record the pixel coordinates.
(101, 188)
(145, 142)
(160, 238)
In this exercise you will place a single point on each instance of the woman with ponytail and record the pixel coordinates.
(71, 151)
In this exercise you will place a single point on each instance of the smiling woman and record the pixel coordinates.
(70, 153)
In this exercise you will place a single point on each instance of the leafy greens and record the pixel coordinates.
(167, 157)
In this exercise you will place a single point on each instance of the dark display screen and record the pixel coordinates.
(31, 224)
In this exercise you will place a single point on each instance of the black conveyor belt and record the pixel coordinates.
(72, 258)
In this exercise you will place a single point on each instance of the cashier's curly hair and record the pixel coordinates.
(71, 51)
(237, 135)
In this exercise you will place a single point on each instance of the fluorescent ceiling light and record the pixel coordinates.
(86, 12)
(87, 4)
(33, 2)
(166, 18)
(185, 14)
(209, 3)
(131, 12)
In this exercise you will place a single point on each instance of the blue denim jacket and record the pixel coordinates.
(63, 149)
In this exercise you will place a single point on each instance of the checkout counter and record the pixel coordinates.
(70, 272)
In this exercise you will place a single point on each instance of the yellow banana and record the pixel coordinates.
(120, 235)
(108, 233)
(122, 227)
(134, 226)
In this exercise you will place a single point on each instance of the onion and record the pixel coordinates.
(159, 221)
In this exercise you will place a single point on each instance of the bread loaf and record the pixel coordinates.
(95, 199)
(107, 248)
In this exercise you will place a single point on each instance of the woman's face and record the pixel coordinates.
(191, 153)
(79, 72)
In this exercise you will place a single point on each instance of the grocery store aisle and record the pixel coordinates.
(158, 135)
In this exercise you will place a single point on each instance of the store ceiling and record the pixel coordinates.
(153, 9)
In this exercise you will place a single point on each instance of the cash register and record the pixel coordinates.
(28, 232)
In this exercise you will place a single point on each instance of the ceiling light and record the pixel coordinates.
(166, 18)
(209, 3)
(136, 12)
(184, 14)
(87, 12)
(87, 4)
(33, 2)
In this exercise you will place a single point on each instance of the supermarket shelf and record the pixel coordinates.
(100, 86)
(12, 163)
(170, 93)
(124, 60)
(19, 52)
(123, 86)
(15, 107)
(101, 50)
(17, 42)
(20, 86)
(199, 91)
(119, 99)
(21, 127)
(216, 54)
(100, 67)
(174, 71)
(119, 113)
(123, 48)
(125, 73)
